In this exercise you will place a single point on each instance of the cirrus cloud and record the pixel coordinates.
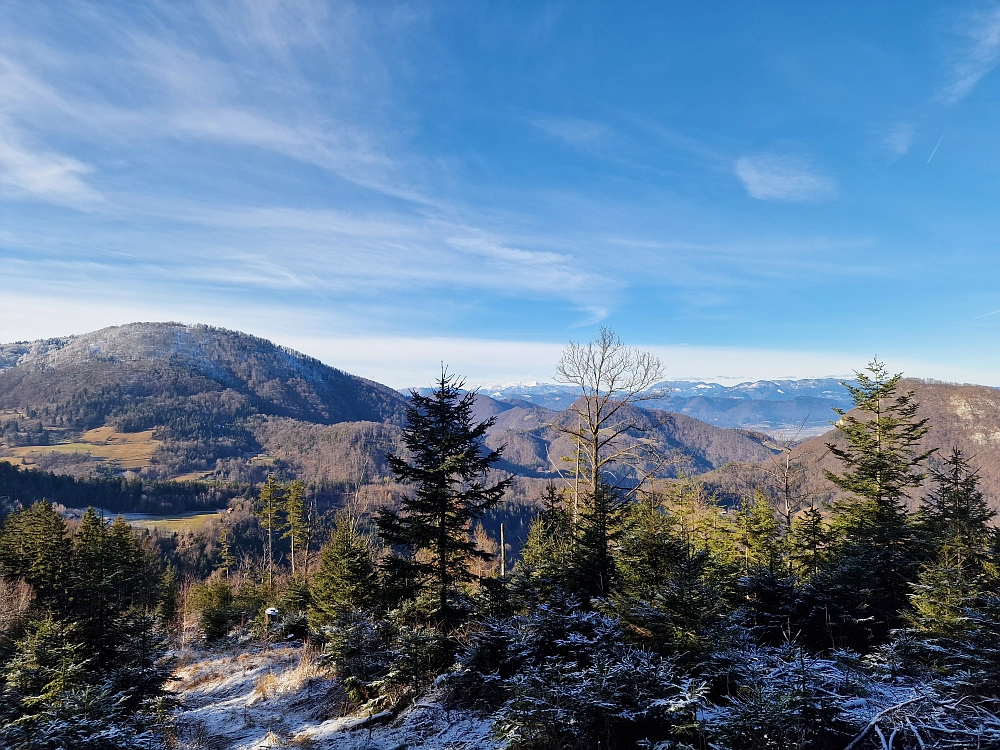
(780, 177)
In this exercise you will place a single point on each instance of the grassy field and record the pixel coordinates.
(176, 523)
(192, 476)
(127, 450)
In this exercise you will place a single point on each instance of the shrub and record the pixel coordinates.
(214, 602)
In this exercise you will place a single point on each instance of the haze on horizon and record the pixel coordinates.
(751, 191)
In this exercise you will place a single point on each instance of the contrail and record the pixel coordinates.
(938, 144)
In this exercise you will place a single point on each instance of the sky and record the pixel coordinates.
(750, 190)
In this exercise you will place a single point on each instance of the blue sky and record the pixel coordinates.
(750, 189)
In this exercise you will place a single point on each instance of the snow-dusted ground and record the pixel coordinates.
(283, 698)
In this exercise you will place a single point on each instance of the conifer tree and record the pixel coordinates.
(600, 526)
(92, 582)
(808, 541)
(759, 535)
(347, 579)
(449, 468)
(269, 507)
(649, 554)
(298, 523)
(34, 547)
(956, 515)
(226, 558)
(874, 559)
(941, 598)
(545, 570)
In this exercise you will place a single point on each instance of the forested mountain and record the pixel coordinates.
(536, 439)
(194, 387)
(966, 417)
(134, 374)
(165, 400)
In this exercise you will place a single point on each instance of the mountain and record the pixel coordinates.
(169, 401)
(536, 440)
(962, 416)
(802, 408)
(176, 398)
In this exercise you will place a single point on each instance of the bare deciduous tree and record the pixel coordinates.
(610, 376)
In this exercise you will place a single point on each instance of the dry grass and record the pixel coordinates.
(108, 435)
(178, 524)
(15, 598)
(130, 450)
(127, 455)
(288, 680)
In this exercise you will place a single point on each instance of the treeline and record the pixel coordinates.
(24, 486)
(82, 641)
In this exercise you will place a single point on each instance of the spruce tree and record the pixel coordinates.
(449, 467)
(347, 580)
(649, 554)
(956, 515)
(759, 533)
(298, 524)
(226, 558)
(865, 583)
(34, 547)
(270, 504)
(600, 526)
(808, 542)
(545, 573)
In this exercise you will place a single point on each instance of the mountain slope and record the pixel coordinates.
(195, 387)
(167, 401)
(142, 360)
(962, 416)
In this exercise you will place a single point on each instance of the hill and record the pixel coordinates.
(182, 397)
(165, 401)
(962, 416)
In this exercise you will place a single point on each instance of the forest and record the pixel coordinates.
(640, 611)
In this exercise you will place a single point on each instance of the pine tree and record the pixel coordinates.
(449, 468)
(347, 579)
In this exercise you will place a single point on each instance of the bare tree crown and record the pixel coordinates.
(606, 368)
(609, 375)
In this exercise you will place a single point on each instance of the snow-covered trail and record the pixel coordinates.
(283, 698)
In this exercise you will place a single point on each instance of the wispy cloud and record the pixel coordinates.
(42, 174)
(899, 139)
(572, 130)
(980, 55)
(778, 177)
